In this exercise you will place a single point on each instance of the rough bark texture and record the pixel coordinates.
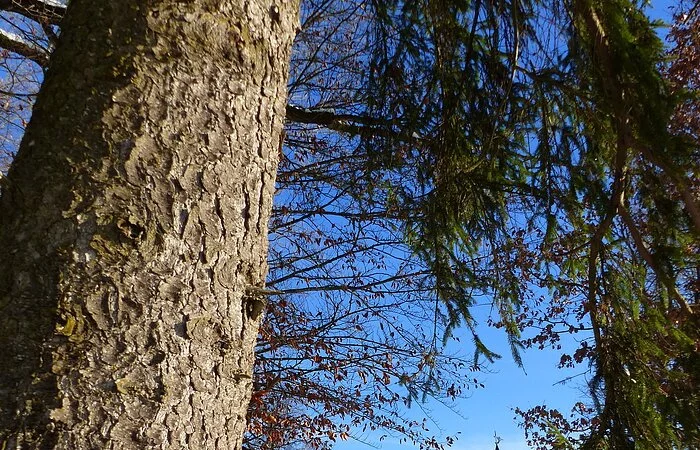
(133, 226)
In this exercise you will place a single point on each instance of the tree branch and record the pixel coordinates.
(345, 123)
(22, 47)
(43, 11)
(692, 206)
(651, 261)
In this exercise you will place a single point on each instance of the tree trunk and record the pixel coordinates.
(133, 226)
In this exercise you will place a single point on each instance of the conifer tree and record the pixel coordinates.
(555, 152)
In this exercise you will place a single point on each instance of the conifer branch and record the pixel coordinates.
(692, 205)
(651, 261)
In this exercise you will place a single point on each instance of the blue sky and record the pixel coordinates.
(487, 411)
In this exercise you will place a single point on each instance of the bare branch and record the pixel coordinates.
(43, 11)
(22, 47)
(351, 124)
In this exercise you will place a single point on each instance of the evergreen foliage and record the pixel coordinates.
(523, 115)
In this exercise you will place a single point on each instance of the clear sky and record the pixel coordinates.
(490, 410)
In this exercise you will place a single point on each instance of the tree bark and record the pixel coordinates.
(133, 226)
